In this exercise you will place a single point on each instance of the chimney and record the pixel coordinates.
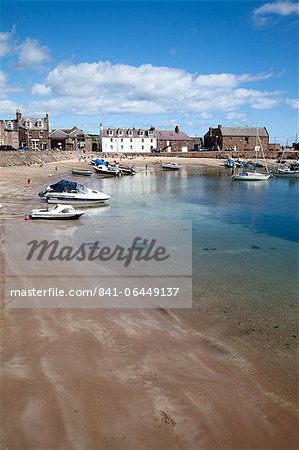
(219, 126)
(177, 129)
(210, 131)
(101, 128)
(18, 114)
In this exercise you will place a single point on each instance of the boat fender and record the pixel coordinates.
(26, 217)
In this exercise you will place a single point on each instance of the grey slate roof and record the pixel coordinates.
(34, 121)
(135, 132)
(10, 125)
(171, 135)
(243, 131)
(58, 134)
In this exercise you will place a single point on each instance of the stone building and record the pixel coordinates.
(236, 138)
(127, 140)
(174, 141)
(9, 134)
(33, 131)
(70, 139)
(23, 131)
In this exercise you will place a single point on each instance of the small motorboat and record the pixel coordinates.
(107, 171)
(171, 166)
(83, 172)
(58, 212)
(72, 193)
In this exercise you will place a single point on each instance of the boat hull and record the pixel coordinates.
(286, 175)
(56, 217)
(251, 177)
(85, 173)
(76, 201)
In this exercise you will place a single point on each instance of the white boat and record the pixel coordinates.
(83, 172)
(251, 176)
(107, 171)
(58, 212)
(291, 171)
(171, 166)
(72, 193)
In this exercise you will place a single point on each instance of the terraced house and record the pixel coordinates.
(127, 140)
(133, 140)
(25, 131)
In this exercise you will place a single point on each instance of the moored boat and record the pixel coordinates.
(171, 166)
(72, 193)
(288, 171)
(83, 172)
(58, 212)
(107, 171)
(251, 176)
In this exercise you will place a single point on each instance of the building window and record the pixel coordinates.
(141, 132)
(120, 132)
(29, 134)
(246, 139)
(28, 124)
(110, 132)
(142, 147)
(130, 132)
(131, 140)
(41, 134)
(151, 140)
(142, 140)
(40, 123)
(122, 147)
(111, 139)
(9, 125)
(131, 147)
(111, 146)
(121, 140)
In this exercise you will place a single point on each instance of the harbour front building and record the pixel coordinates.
(236, 138)
(24, 131)
(127, 140)
(174, 141)
(70, 139)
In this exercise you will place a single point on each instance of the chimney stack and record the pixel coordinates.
(18, 114)
(177, 129)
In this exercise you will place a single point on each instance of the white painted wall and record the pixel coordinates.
(128, 145)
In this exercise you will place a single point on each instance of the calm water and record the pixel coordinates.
(245, 235)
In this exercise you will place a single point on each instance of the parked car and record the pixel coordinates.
(7, 147)
(24, 148)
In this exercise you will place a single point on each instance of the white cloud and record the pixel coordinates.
(32, 53)
(293, 103)
(5, 42)
(235, 115)
(103, 87)
(41, 89)
(2, 78)
(7, 106)
(280, 8)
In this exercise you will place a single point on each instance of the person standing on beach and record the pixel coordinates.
(29, 182)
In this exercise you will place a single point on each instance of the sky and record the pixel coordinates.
(144, 63)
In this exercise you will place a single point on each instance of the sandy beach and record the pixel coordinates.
(135, 379)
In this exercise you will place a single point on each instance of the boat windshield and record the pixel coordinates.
(68, 186)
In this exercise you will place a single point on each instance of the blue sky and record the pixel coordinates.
(143, 63)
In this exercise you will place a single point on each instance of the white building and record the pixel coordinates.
(127, 140)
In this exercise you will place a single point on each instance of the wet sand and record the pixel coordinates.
(137, 379)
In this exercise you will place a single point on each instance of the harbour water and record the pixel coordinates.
(245, 255)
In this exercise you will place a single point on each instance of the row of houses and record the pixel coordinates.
(34, 132)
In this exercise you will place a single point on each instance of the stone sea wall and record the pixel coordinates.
(27, 158)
